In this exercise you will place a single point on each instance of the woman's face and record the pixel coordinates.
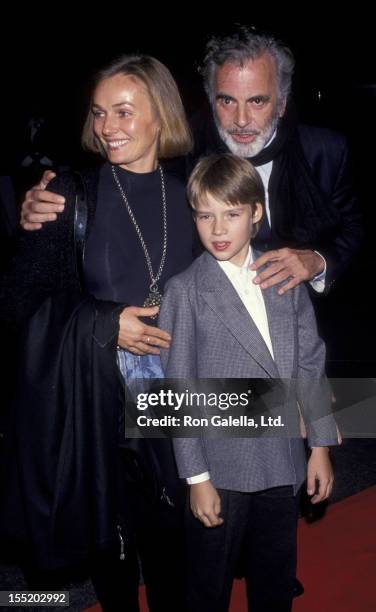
(126, 123)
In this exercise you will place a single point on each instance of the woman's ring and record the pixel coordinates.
(148, 340)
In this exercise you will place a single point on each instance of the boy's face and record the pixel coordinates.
(225, 230)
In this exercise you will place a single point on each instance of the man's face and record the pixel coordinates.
(247, 108)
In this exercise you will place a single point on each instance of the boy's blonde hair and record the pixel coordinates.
(229, 179)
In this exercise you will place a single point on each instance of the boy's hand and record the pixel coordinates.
(320, 476)
(206, 503)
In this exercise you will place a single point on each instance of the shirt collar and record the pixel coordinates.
(233, 270)
(270, 139)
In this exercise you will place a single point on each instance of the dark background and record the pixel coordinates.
(46, 64)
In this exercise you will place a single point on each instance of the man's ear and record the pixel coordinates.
(282, 108)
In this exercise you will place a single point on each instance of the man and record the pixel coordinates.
(312, 228)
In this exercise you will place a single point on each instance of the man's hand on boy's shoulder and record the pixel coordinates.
(320, 476)
(294, 266)
(206, 503)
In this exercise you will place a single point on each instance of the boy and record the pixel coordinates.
(243, 491)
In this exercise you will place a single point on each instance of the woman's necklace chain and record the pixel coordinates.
(155, 297)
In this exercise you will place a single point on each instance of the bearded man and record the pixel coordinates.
(312, 228)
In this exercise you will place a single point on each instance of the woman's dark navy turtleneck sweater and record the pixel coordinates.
(115, 264)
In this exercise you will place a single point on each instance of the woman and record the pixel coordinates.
(138, 234)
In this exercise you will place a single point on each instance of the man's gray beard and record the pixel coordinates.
(253, 148)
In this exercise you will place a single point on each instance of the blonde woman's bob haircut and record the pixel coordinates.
(175, 137)
(229, 179)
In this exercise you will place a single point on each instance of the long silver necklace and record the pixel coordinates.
(155, 296)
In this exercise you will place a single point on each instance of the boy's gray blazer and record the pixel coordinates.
(213, 336)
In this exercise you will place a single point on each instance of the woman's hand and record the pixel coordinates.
(206, 503)
(139, 338)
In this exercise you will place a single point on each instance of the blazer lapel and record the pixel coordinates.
(281, 327)
(222, 298)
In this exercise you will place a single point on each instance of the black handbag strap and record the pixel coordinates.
(80, 225)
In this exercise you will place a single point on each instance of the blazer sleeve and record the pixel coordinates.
(313, 388)
(349, 240)
(328, 156)
(179, 362)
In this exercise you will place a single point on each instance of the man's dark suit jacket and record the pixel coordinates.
(327, 156)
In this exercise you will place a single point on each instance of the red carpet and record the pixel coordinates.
(337, 560)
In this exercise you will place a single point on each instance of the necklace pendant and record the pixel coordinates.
(154, 299)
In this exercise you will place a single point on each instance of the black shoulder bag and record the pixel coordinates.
(80, 225)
